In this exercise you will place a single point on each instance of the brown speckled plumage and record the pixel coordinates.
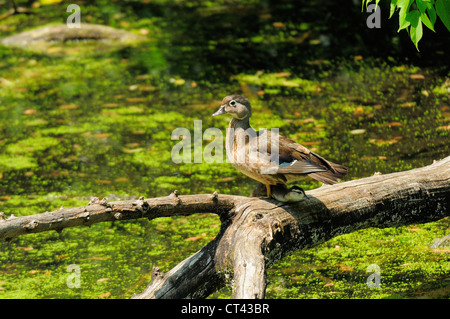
(252, 153)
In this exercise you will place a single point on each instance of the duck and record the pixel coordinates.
(281, 193)
(292, 195)
(268, 157)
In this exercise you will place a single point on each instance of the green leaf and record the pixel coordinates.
(416, 34)
(404, 3)
(443, 11)
(402, 22)
(421, 5)
(429, 6)
(366, 2)
(393, 7)
(426, 21)
(432, 14)
(413, 17)
(424, 5)
(416, 30)
(404, 6)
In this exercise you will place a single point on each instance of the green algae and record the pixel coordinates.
(78, 126)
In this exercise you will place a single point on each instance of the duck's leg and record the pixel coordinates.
(268, 190)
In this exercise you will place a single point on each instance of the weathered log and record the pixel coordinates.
(256, 232)
(62, 33)
(260, 232)
(102, 211)
(55, 37)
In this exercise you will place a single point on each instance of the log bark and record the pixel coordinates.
(257, 232)
(61, 33)
(102, 211)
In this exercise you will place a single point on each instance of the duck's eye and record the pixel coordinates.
(232, 103)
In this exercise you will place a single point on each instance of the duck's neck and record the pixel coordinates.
(240, 124)
(237, 138)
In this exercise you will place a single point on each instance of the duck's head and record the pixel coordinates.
(237, 106)
(295, 194)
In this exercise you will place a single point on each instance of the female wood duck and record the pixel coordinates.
(267, 157)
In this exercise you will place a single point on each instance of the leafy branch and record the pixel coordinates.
(413, 14)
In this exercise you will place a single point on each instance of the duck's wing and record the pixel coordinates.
(299, 167)
(297, 159)
(333, 176)
(294, 158)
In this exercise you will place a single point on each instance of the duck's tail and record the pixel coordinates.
(330, 177)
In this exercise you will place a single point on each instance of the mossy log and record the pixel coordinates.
(62, 33)
(257, 232)
(53, 39)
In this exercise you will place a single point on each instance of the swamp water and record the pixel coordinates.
(83, 124)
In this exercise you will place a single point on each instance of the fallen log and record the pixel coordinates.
(54, 39)
(257, 232)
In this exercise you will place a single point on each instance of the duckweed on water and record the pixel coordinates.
(80, 125)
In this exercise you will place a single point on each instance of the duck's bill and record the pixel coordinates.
(220, 111)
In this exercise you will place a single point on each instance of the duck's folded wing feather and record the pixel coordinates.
(299, 167)
(309, 163)
(294, 158)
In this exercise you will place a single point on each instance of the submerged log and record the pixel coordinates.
(56, 38)
(257, 232)
(62, 33)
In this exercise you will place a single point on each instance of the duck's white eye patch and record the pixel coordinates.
(232, 103)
